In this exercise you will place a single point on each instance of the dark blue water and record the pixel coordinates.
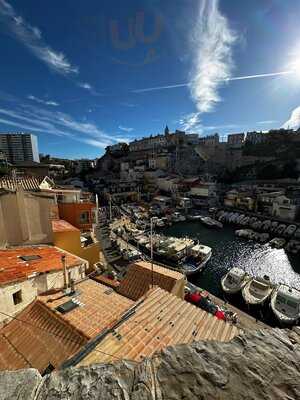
(230, 251)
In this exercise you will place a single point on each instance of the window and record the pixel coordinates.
(30, 258)
(17, 297)
(84, 217)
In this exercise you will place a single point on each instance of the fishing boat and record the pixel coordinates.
(197, 260)
(234, 281)
(211, 223)
(285, 304)
(257, 290)
(182, 254)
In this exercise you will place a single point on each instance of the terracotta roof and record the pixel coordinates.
(14, 269)
(100, 307)
(114, 283)
(138, 279)
(28, 183)
(161, 320)
(37, 338)
(59, 225)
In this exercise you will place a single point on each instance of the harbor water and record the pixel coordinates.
(230, 251)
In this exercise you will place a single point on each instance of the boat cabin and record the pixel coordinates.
(235, 276)
(200, 249)
(288, 301)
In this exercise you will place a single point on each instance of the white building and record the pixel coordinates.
(284, 209)
(26, 272)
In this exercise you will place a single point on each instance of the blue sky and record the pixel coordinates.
(83, 75)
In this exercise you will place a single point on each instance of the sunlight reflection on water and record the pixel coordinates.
(229, 251)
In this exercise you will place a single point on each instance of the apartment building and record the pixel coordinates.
(19, 147)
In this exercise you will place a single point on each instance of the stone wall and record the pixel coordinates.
(257, 365)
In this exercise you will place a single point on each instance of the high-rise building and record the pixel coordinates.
(19, 147)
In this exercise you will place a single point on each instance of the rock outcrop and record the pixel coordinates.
(256, 365)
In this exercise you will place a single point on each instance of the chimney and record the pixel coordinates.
(63, 260)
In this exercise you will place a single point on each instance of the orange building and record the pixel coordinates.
(80, 215)
(68, 238)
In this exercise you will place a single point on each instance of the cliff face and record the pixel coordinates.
(257, 365)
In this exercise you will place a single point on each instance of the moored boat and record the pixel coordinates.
(278, 243)
(211, 223)
(257, 290)
(234, 281)
(285, 304)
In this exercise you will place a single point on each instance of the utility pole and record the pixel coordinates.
(97, 210)
(110, 210)
(151, 248)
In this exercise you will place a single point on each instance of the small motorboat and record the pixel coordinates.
(285, 304)
(257, 290)
(293, 246)
(278, 243)
(234, 280)
(211, 223)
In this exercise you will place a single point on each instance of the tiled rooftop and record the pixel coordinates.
(161, 320)
(106, 281)
(28, 183)
(138, 279)
(59, 225)
(14, 269)
(37, 338)
(100, 307)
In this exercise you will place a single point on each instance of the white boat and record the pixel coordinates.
(176, 217)
(200, 255)
(278, 243)
(210, 222)
(290, 230)
(281, 228)
(257, 290)
(293, 246)
(285, 304)
(160, 223)
(234, 280)
(245, 233)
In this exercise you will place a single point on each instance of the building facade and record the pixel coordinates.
(19, 147)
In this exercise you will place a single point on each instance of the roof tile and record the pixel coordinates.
(138, 279)
(14, 269)
(161, 320)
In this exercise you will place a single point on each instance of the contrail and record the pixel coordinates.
(237, 78)
(240, 78)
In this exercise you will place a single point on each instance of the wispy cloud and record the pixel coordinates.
(85, 85)
(36, 119)
(125, 129)
(212, 40)
(89, 88)
(31, 37)
(294, 121)
(267, 122)
(191, 122)
(129, 105)
(217, 127)
(41, 101)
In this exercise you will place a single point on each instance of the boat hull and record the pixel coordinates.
(252, 300)
(281, 318)
(198, 268)
(227, 290)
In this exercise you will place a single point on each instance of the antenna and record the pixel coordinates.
(63, 260)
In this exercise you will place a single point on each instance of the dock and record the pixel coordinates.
(245, 321)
